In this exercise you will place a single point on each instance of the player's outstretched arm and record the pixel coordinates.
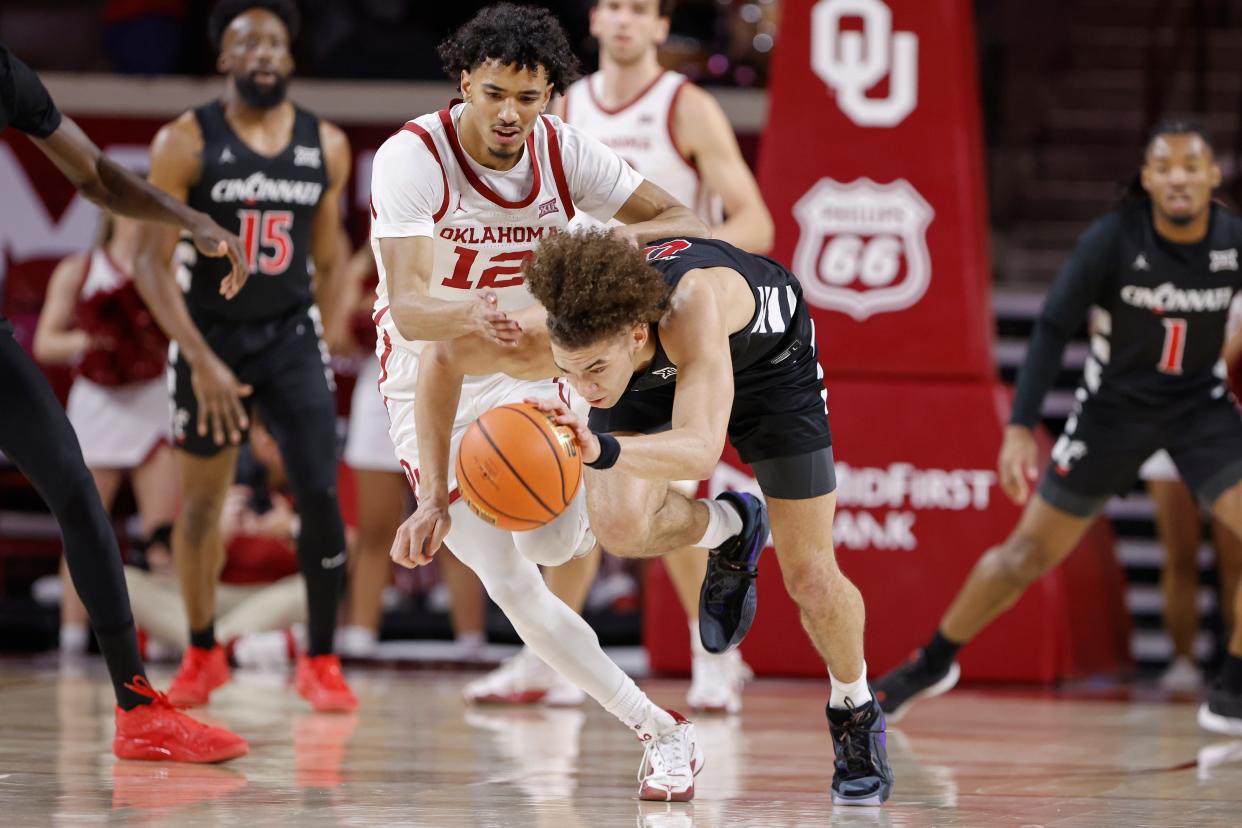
(704, 131)
(421, 317)
(174, 167)
(695, 336)
(110, 185)
(650, 213)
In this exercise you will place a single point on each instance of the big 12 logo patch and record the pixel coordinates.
(862, 246)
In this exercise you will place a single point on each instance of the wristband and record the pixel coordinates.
(609, 451)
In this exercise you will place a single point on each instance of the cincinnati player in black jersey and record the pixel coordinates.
(675, 347)
(1160, 272)
(36, 435)
(260, 164)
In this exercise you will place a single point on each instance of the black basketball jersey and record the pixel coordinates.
(270, 202)
(1158, 313)
(779, 335)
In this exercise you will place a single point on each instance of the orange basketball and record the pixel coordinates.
(516, 468)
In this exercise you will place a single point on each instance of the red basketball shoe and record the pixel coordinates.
(201, 671)
(159, 732)
(319, 680)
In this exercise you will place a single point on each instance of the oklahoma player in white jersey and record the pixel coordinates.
(459, 200)
(677, 136)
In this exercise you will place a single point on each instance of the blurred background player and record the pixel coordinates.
(1162, 270)
(262, 598)
(384, 500)
(254, 161)
(1179, 526)
(459, 199)
(94, 320)
(678, 137)
(37, 436)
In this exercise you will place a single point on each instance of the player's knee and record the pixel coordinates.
(1020, 560)
(624, 533)
(809, 582)
(199, 516)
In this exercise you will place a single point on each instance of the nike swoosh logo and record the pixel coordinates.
(333, 562)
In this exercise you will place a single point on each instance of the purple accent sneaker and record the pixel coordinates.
(728, 598)
(861, 774)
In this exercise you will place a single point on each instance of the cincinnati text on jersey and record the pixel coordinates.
(258, 187)
(505, 234)
(1169, 299)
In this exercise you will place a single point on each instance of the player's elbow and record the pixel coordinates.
(405, 317)
(702, 462)
(763, 231)
(92, 187)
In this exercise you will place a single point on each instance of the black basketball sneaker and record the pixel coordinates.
(1222, 712)
(861, 774)
(728, 598)
(900, 687)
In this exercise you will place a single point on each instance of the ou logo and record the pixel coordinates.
(853, 62)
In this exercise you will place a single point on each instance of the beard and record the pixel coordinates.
(1180, 219)
(258, 96)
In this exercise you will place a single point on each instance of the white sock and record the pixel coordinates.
(631, 706)
(856, 691)
(697, 650)
(723, 522)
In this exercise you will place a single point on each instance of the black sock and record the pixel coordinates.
(120, 653)
(204, 638)
(1231, 673)
(939, 653)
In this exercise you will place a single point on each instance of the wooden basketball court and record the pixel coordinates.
(416, 755)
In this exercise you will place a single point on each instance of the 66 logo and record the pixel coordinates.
(862, 246)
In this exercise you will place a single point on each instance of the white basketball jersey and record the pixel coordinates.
(641, 132)
(481, 239)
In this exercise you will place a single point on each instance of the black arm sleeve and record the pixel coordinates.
(24, 102)
(1079, 285)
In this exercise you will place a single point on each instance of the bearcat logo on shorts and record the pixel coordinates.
(862, 246)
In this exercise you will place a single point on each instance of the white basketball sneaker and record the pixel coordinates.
(716, 682)
(524, 679)
(670, 764)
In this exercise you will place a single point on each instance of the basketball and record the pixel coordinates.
(516, 468)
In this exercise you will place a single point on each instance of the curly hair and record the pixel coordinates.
(226, 11)
(524, 36)
(594, 285)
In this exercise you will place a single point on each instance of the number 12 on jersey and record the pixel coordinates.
(261, 230)
(500, 275)
(1174, 346)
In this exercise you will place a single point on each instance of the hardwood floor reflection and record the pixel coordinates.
(415, 755)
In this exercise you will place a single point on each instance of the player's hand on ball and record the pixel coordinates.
(213, 240)
(494, 323)
(561, 414)
(419, 537)
(1017, 463)
(219, 395)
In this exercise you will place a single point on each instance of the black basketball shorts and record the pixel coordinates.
(1103, 446)
(778, 424)
(283, 359)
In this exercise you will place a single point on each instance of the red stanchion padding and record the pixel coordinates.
(918, 503)
(872, 166)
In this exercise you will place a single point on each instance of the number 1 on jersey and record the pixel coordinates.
(1174, 346)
